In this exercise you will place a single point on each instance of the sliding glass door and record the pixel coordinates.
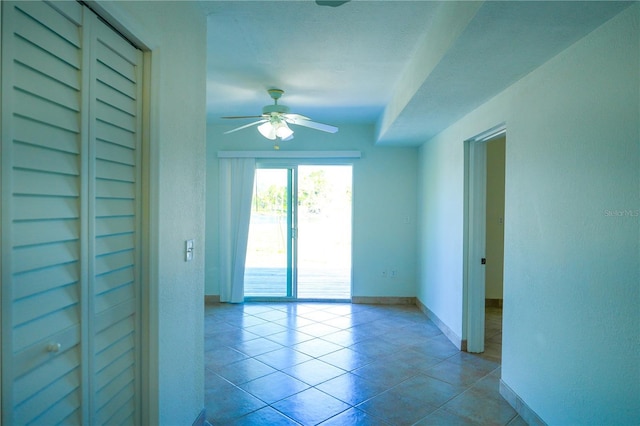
(324, 232)
(300, 233)
(269, 264)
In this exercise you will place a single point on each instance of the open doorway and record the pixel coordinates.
(494, 247)
(299, 244)
(484, 241)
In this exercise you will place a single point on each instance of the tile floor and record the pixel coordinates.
(344, 364)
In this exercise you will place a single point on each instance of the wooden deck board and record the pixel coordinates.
(312, 283)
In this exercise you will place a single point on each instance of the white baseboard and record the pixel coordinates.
(453, 337)
(201, 420)
(521, 407)
(210, 299)
(373, 300)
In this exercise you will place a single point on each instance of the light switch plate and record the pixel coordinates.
(188, 250)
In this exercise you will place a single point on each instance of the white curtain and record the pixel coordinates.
(236, 188)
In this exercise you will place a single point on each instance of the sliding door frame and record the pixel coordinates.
(292, 164)
(292, 225)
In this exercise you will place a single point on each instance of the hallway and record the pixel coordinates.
(344, 364)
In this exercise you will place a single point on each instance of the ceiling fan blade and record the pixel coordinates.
(244, 116)
(245, 126)
(296, 116)
(312, 124)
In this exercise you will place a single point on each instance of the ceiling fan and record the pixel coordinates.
(332, 3)
(275, 119)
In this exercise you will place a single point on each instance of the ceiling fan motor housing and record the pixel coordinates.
(278, 109)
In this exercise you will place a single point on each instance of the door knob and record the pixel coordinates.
(54, 347)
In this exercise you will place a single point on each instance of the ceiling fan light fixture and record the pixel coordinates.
(267, 130)
(283, 131)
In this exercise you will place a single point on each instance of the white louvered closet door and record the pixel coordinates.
(70, 218)
(115, 117)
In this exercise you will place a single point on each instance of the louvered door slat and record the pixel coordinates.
(30, 182)
(117, 331)
(39, 134)
(45, 375)
(33, 233)
(115, 153)
(115, 135)
(115, 189)
(34, 410)
(39, 158)
(44, 256)
(28, 309)
(55, 22)
(115, 225)
(106, 207)
(44, 86)
(113, 262)
(115, 80)
(115, 375)
(115, 116)
(69, 10)
(118, 100)
(115, 171)
(114, 243)
(114, 279)
(108, 299)
(39, 109)
(63, 411)
(120, 409)
(117, 393)
(115, 316)
(45, 279)
(46, 208)
(123, 62)
(30, 55)
(115, 350)
(45, 38)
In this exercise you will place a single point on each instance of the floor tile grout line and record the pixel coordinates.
(406, 322)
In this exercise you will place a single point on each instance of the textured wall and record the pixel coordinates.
(384, 188)
(176, 34)
(440, 209)
(572, 234)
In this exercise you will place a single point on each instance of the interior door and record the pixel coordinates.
(42, 217)
(70, 218)
(115, 115)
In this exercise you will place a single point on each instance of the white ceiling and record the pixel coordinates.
(412, 68)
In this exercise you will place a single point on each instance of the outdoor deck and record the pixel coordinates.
(312, 284)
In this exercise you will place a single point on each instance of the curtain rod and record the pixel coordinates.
(289, 154)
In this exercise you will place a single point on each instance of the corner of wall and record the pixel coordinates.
(527, 414)
(459, 343)
(201, 420)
